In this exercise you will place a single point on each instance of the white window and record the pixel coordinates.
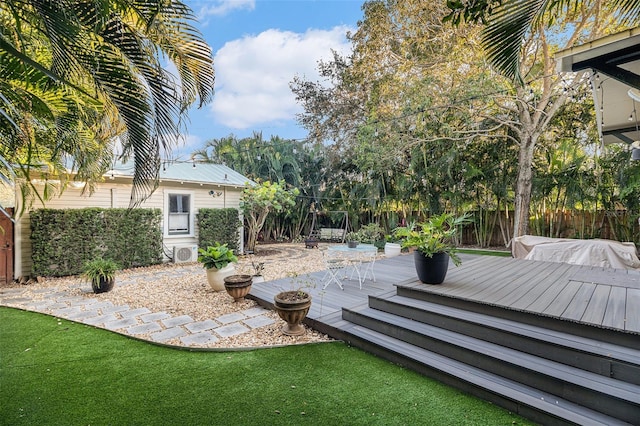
(179, 213)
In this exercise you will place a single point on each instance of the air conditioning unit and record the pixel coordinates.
(186, 253)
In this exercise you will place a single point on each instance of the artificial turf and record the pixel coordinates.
(57, 372)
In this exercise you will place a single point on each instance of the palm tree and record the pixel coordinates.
(508, 21)
(97, 68)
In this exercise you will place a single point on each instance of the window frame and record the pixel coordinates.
(167, 213)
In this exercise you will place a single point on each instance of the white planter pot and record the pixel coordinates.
(215, 277)
(392, 249)
(258, 279)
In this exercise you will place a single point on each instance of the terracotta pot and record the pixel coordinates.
(103, 285)
(238, 286)
(431, 270)
(215, 277)
(292, 312)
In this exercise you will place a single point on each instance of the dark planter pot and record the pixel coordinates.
(352, 244)
(238, 286)
(431, 270)
(311, 243)
(102, 285)
(292, 312)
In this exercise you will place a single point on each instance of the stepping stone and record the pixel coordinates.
(154, 316)
(147, 328)
(134, 312)
(197, 327)
(116, 325)
(80, 316)
(177, 321)
(229, 318)
(199, 339)
(19, 301)
(168, 334)
(113, 309)
(65, 312)
(100, 319)
(231, 330)
(253, 312)
(259, 321)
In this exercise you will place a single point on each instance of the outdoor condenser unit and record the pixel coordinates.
(186, 253)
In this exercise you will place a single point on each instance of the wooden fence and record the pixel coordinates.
(619, 225)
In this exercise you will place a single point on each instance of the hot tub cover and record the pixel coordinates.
(600, 253)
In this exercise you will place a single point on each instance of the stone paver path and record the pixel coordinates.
(141, 322)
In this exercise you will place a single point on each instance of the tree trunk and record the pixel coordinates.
(523, 188)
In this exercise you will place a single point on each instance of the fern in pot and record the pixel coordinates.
(101, 273)
(434, 243)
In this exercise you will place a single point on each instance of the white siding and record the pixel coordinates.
(116, 194)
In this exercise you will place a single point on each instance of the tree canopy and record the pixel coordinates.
(417, 96)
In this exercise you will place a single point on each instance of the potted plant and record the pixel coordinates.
(392, 246)
(101, 272)
(353, 239)
(293, 306)
(434, 245)
(219, 261)
(258, 267)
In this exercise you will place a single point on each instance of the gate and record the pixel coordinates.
(6, 248)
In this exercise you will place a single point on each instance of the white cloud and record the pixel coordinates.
(223, 7)
(190, 142)
(182, 146)
(253, 74)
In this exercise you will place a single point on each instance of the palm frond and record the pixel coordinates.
(95, 63)
(502, 38)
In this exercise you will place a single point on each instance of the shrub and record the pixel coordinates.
(62, 241)
(218, 225)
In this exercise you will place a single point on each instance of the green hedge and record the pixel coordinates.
(218, 225)
(63, 240)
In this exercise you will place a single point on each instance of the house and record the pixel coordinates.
(184, 188)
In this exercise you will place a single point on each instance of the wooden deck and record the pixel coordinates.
(591, 296)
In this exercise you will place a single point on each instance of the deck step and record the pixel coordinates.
(414, 290)
(524, 400)
(610, 396)
(610, 360)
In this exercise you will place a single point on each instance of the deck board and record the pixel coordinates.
(505, 282)
(633, 310)
(594, 313)
(544, 291)
(559, 304)
(466, 282)
(517, 292)
(609, 277)
(615, 312)
(578, 305)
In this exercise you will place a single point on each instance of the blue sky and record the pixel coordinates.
(259, 46)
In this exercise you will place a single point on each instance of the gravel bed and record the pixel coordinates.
(182, 289)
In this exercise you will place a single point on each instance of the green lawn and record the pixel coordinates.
(56, 372)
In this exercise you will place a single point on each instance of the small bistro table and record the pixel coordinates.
(361, 258)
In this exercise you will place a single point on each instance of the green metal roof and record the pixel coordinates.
(189, 172)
